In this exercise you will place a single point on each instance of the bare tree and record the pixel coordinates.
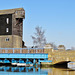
(53, 45)
(39, 39)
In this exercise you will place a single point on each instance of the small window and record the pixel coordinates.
(7, 20)
(7, 30)
(7, 39)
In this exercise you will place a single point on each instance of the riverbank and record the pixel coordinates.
(46, 65)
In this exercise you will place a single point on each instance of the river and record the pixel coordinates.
(8, 70)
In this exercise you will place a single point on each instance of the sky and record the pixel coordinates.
(56, 17)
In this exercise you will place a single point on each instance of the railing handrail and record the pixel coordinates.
(21, 48)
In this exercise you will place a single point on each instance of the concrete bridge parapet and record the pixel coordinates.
(60, 55)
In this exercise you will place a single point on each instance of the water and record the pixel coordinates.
(8, 70)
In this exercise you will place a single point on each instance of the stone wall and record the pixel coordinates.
(58, 56)
(13, 41)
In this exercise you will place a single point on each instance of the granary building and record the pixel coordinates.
(11, 28)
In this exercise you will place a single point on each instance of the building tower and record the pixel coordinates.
(11, 28)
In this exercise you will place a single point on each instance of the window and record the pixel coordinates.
(7, 20)
(7, 39)
(7, 30)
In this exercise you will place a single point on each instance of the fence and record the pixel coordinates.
(21, 50)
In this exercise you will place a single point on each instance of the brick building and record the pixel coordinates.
(11, 28)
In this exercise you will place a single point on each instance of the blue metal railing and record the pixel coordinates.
(24, 56)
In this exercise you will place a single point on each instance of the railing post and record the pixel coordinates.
(33, 50)
(13, 50)
(20, 50)
(5, 50)
(28, 50)
(42, 50)
(0, 50)
(36, 50)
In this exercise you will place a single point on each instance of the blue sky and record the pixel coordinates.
(56, 17)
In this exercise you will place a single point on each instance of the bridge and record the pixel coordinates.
(36, 55)
(23, 55)
(60, 56)
(64, 56)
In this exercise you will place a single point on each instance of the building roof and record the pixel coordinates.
(61, 46)
(10, 11)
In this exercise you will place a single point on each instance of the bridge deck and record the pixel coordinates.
(31, 54)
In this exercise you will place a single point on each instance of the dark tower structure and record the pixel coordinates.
(11, 28)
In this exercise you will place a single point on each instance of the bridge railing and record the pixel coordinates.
(21, 50)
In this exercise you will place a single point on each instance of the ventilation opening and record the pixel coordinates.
(19, 20)
(7, 39)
